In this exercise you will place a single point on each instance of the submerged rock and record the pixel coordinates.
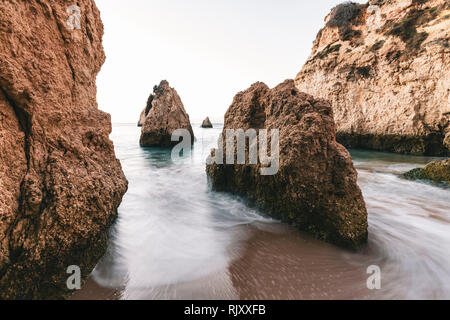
(437, 171)
(163, 115)
(315, 188)
(207, 123)
(60, 182)
(385, 67)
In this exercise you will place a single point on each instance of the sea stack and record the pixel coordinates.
(385, 67)
(163, 115)
(60, 182)
(315, 188)
(207, 123)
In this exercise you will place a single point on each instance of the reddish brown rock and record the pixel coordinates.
(163, 115)
(316, 187)
(60, 182)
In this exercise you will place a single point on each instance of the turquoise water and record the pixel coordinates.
(175, 239)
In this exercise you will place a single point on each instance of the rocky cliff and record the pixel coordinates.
(163, 114)
(385, 66)
(315, 187)
(60, 183)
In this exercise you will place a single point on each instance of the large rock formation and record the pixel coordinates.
(163, 115)
(315, 188)
(60, 183)
(207, 123)
(385, 66)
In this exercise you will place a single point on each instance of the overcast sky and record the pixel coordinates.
(208, 50)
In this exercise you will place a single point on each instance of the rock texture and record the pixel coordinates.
(141, 119)
(163, 115)
(207, 123)
(316, 187)
(146, 110)
(385, 66)
(60, 183)
(437, 171)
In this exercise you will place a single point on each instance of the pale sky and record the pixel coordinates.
(208, 50)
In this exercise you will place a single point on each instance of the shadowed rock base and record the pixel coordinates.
(429, 145)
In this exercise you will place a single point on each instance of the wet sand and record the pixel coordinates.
(93, 291)
(276, 262)
(288, 265)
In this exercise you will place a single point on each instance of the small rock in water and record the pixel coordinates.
(437, 171)
(207, 123)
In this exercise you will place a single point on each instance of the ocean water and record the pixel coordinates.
(176, 239)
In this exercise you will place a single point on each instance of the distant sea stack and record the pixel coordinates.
(316, 187)
(60, 182)
(385, 67)
(163, 115)
(207, 123)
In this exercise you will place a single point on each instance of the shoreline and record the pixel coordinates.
(246, 278)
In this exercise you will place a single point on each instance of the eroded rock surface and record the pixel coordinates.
(385, 67)
(163, 115)
(437, 171)
(315, 188)
(60, 182)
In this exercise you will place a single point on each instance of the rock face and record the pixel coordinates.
(385, 67)
(437, 171)
(315, 188)
(141, 119)
(163, 115)
(60, 183)
(207, 123)
(145, 112)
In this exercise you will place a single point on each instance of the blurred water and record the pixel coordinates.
(175, 239)
(409, 226)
